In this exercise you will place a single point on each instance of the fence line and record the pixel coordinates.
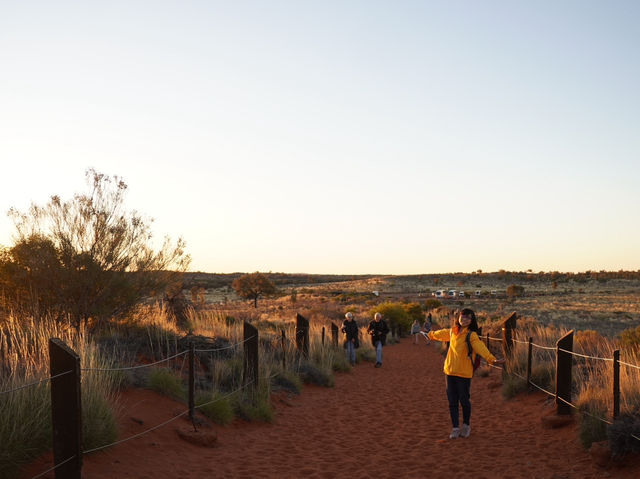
(585, 356)
(35, 383)
(630, 365)
(223, 348)
(54, 467)
(137, 367)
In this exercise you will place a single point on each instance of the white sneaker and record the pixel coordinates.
(465, 431)
(455, 432)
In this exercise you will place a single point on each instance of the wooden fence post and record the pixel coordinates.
(302, 335)
(323, 335)
(508, 325)
(529, 356)
(66, 410)
(334, 334)
(250, 363)
(192, 381)
(616, 384)
(283, 340)
(564, 362)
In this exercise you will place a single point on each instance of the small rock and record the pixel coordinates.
(556, 421)
(198, 438)
(138, 420)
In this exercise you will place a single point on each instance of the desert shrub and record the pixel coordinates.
(254, 405)
(287, 380)
(165, 381)
(630, 338)
(395, 314)
(216, 407)
(310, 373)
(515, 291)
(340, 363)
(430, 304)
(593, 408)
(512, 386)
(414, 311)
(619, 435)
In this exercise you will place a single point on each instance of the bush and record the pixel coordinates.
(430, 304)
(630, 338)
(395, 314)
(287, 380)
(165, 381)
(592, 429)
(512, 386)
(312, 374)
(619, 435)
(216, 407)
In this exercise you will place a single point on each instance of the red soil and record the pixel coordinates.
(387, 422)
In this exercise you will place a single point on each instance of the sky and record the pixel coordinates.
(342, 137)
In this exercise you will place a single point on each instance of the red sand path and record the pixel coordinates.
(387, 422)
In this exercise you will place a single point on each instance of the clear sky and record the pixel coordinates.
(338, 136)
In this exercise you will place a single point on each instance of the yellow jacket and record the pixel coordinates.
(457, 362)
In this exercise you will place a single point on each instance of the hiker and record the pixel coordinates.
(378, 330)
(351, 341)
(427, 327)
(458, 366)
(415, 331)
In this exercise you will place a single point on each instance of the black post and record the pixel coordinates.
(302, 335)
(192, 381)
(66, 410)
(529, 363)
(283, 340)
(250, 363)
(616, 384)
(334, 334)
(323, 335)
(564, 362)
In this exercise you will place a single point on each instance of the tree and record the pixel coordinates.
(252, 286)
(86, 257)
(515, 290)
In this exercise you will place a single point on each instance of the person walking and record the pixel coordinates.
(351, 340)
(378, 330)
(415, 331)
(427, 327)
(458, 367)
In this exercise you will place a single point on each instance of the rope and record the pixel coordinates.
(35, 382)
(584, 412)
(54, 467)
(136, 367)
(543, 347)
(493, 339)
(222, 349)
(584, 356)
(541, 389)
(162, 424)
(521, 342)
(630, 365)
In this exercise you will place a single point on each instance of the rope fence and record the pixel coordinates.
(561, 376)
(35, 383)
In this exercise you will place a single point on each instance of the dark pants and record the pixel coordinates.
(458, 392)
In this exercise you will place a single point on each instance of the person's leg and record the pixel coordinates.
(350, 352)
(379, 352)
(464, 387)
(353, 353)
(452, 396)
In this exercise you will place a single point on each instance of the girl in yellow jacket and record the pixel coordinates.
(458, 367)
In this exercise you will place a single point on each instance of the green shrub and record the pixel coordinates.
(165, 381)
(512, 386)
(630, 338)
(430, 304)
(340, 363)
(312, 374)
(619, 435)
(215, 406)
(592, 428)
(287, 380)
(254, 406)
(395, 314)
(366, 354)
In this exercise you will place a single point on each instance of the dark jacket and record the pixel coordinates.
(350, 330)
(378, 331)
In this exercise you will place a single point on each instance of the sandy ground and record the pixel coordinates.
(377, 423)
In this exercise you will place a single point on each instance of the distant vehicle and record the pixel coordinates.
(452, 293)
(461, 294)
(376, 293)
(494, 292)
(478, 293)
(440, 293)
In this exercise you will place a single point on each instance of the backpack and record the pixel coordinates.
(475, 358)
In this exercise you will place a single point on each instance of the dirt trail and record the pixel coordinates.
(377, 423)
